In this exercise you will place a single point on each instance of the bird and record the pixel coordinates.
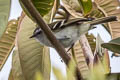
(67, 32)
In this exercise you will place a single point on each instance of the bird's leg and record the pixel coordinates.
(70, 47)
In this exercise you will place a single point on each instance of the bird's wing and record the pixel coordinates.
(57, 25)
(77, 20)
(62, 24)
(51, 25)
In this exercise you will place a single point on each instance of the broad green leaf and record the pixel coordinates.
(25, 10)
(86, 6)
(16, 66)
(43, 6)
(33, 56)
(113, 45)
(48, 18)
(7, 41)
(4, 14)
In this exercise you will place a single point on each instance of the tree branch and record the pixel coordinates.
(56, 44)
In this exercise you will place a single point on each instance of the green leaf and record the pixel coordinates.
(113, 76)
(43, 6)
(16, 67)
(4, 14)
(86, 6)
(33, 56)
(48, 18)
(7, 41)
(113, 45)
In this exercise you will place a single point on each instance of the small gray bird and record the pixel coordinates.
(68, 32)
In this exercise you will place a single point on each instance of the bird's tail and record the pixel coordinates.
(103, 20)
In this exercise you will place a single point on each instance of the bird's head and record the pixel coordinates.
(36, 32)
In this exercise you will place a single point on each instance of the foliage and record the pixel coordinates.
(32, 60)
(86, 5)
(4, 14)
(43, 6)
(7, 41)
(113, 45)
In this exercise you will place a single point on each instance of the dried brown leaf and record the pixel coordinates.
(7, 41)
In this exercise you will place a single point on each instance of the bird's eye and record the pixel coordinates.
(37, 30)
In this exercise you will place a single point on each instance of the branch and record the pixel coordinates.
(56, 44)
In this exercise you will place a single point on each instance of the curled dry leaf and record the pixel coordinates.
(7, 41)
(111, 8)
(73, 7)
(80, 60)
(54, 9)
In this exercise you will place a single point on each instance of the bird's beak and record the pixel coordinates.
(35, 34)
(32, 36)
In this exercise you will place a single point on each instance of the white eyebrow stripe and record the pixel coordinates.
(56, 26)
